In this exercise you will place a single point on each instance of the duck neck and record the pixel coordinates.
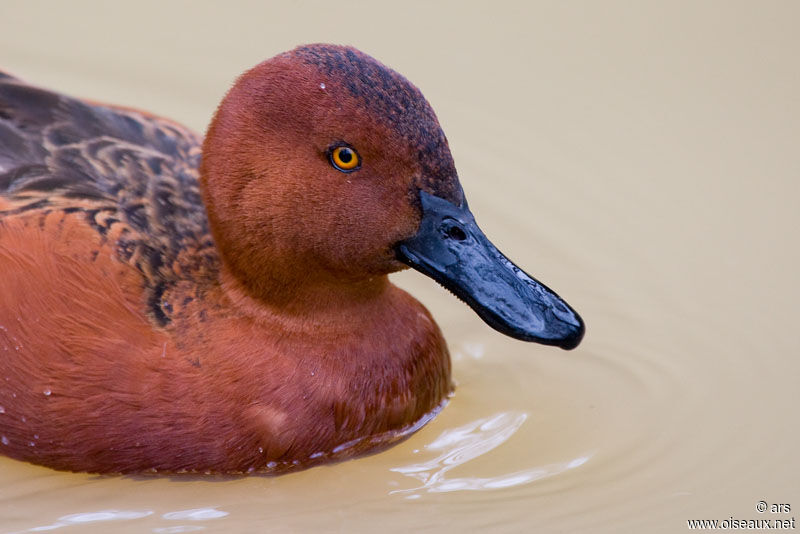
(313, 299)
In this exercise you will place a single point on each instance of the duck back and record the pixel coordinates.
(110, 167)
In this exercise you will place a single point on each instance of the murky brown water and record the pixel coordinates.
(643, 161)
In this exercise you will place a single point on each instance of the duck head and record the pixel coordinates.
(324, 168)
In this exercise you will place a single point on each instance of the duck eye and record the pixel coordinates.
(345, 158)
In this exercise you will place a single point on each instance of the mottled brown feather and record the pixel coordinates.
(114, 167)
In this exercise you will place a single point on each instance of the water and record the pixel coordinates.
(641, 160)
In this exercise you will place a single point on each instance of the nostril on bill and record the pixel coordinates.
(455, 232)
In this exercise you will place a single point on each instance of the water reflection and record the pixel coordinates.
(462, 444)
(92, 517)
(195, 514)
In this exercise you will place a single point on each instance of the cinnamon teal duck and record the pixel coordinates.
(177, 304)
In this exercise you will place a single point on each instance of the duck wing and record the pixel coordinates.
(111, 166)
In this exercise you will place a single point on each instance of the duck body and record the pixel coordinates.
(182, 305)
(214, 390)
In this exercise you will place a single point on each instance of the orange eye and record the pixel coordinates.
(345, 158)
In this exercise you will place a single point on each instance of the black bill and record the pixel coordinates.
(450, 248)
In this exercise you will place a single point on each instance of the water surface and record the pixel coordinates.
(642, 161)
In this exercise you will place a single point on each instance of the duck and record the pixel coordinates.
(171, 303)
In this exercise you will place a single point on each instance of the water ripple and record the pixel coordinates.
(465, 443)
(194, 514)
(92, 517)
